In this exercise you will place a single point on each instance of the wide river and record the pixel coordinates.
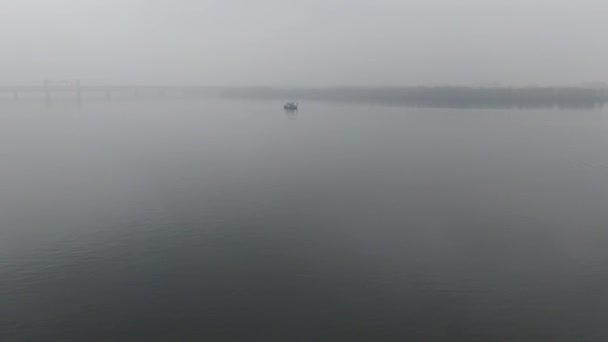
(226, 220)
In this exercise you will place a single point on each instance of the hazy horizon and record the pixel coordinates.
(303, 170)
(304, 43)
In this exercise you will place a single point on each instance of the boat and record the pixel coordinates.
(291, 106)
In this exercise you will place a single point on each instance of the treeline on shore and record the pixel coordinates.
(457, 96)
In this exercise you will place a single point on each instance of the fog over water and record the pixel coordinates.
(443, 178)
(233, 220)
(304, 43)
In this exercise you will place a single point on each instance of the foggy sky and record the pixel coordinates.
(304, 42)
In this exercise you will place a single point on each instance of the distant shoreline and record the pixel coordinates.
(442, 96)
(434, 97)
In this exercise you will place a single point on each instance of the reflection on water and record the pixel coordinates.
(221, 221)
(291, 114)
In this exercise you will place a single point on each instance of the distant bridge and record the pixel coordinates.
(49, 89)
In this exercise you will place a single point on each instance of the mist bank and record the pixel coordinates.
(433, 97)
(444, 96)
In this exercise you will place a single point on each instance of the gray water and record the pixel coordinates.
(232, 220)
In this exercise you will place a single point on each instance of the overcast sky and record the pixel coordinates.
(304, 42)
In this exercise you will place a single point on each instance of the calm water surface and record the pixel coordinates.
(230, 220)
